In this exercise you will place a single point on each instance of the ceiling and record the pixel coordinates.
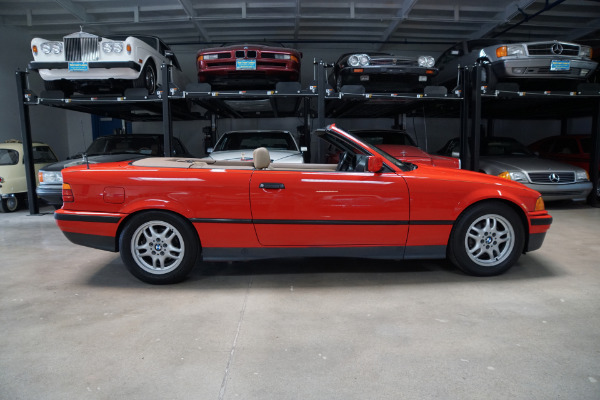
(310, 23)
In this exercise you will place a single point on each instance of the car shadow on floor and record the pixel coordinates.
(325, 272)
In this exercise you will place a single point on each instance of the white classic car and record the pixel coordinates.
(239, 146)
(86, 63)
(13, 181)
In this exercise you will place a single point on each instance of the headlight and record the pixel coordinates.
(358, 59)
(515, 50)
(282, 56)
(210, 56)
(513, 176)
(112, 47)
(51, 177)
(585, 51)
(582, 175)
(52, 47)
(426, 61)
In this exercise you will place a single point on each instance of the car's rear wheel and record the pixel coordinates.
(147, 78)
(9, 204)
(487, 239)
(159, 247)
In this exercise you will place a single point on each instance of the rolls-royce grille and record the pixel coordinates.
(81, 49)
(553, 49)
(552, 177)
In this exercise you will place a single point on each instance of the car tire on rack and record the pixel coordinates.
(159, 247)
(487, 239)
(147, 78)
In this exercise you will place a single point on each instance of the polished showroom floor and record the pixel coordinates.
(74, 324)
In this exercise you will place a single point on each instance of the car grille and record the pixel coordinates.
(81, 49)
(245, 53)
(553, 49)
(391, 61)
(550, 177)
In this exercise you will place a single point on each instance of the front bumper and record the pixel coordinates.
(540, 68)
(388, 78)
(51, 194)
(573, 191)
(50, 71)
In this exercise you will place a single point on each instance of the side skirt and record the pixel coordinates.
(372, 252)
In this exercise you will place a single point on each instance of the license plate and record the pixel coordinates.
(242, 64)
(78, 66)
(560, 65)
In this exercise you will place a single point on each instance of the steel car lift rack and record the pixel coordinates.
(318, 102)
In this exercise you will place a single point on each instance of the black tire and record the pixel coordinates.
(10, 204)
(159, 247)
(487, 239)
(147, 78)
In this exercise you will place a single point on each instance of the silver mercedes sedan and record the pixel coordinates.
(508, 158)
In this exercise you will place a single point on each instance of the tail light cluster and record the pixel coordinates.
(67, 193)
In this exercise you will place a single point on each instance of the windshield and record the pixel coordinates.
(124, 144)
(384, 137)
(272, 140)
(503, 147)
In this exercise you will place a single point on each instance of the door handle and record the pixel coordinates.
(271, 185)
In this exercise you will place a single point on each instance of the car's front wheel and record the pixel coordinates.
(147, 78)
(9, 204)
(159, 247)
(487, 239)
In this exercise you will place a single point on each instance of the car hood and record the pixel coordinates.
(58, 166)
(288, 156)
(525, 163)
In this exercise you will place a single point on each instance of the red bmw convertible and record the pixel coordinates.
(161, 214)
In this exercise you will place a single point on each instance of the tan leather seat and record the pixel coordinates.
(261, 158)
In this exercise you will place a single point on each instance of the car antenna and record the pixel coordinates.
(84, 154)
(85, 160)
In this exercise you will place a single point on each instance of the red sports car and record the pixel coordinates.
(400, 145)
(164, 213)
(248, 66)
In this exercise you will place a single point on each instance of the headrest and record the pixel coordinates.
(261, 158)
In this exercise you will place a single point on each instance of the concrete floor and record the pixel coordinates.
(75, 325)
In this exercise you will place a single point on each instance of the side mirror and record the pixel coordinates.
(169, 54)
(374, 164)
(456, 154)
(210, 150)
(303, 149)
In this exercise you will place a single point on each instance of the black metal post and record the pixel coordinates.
(166, 111)
(476, 117)
(321, 95)
(464, 117)
(34, 208)
(594, 199)
(305, 136)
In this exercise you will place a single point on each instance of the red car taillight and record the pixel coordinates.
(67, 193)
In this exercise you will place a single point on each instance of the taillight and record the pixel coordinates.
(67, 193)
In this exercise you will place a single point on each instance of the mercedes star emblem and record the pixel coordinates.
(554, 178)
(557, 48)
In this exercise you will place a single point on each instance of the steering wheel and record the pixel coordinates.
(345, 163)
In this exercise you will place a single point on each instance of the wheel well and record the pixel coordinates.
(512, 205)
(125, 221)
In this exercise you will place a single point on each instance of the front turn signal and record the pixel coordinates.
(539, 204)
(505, 175)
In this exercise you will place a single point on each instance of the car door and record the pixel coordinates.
(329, 208)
